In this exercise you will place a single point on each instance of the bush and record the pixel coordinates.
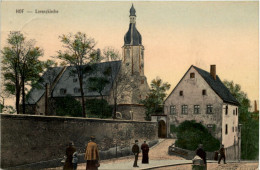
(190, 134)
(98, 108)
(68, 106)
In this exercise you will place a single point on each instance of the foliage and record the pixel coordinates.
(173, 128)
(93, 108)
(1, 108)
(157, 93)
(79, 51)
(190, 134)
(97, 84)
(21, 65)
(68, 106)
(250, 126)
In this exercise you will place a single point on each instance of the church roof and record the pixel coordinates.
(132, 37)
(48, 77)
(220, 89)
(69, 81)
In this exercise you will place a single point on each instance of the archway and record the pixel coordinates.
(162, 129)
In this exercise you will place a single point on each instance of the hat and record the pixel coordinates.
(136, 140)
(92, 137)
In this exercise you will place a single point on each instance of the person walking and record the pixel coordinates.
(145, 151)
(75, 160)
(92, 155)
(202, 154)
(222, 154)
(136, 150)
(69, 152)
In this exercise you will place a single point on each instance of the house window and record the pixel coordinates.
(233, 129)
(172, 110)
(63, 91)
(209, 109)
(226, 109)
(142, 81)
(181, 93)
(236, 111)
(226, 130)
(75, 80)
(236, 129)
(210, 127)
(204, 92)
(76, 90)
(184, 109)
(192, 75)
(196, 109)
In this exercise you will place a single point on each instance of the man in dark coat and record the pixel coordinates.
(92, 155)
(201, 153)
(136, 150)
(222, 154)
(69, 152)
(145, 150)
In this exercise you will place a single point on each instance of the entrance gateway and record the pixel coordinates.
(161, 123)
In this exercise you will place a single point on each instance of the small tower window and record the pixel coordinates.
(142, 81)
(181, 93)
(204, 92)
(192, 75)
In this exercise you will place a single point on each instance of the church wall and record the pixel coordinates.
(27, 139)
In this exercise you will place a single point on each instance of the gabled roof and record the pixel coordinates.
(216, 85)
(67, 82)
(48, 77)
(220, 89)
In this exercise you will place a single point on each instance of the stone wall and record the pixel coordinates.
(28, 139)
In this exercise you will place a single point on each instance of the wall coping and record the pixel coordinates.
(64, 118)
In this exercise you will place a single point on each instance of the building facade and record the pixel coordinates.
(201, 96)
(127, 83)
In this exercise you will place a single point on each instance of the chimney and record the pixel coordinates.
(213, 71)
(255, 106)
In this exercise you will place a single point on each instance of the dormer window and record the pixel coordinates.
(181, 93)
(63, 91)
(192, 75)
(204, 92)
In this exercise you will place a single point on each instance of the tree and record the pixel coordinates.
(97, 84)
(190, 134)
(21, 65)
(93, 108)
(67, 106)
(110, 54)
(79, 52)
(157, 93)
(250, 126)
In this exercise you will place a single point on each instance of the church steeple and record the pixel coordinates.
(132, 37)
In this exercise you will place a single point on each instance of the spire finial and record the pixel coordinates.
(132, 10)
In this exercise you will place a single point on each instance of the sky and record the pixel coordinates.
(175, 34)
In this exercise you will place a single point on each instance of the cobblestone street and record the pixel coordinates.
(158, 156)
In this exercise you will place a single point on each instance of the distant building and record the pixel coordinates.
(201, 96)
(127, 78)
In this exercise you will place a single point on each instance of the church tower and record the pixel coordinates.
(133, 85)
(133, 50)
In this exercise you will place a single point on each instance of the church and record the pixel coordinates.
(127, 80)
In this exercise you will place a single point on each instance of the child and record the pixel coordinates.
(75, 160)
